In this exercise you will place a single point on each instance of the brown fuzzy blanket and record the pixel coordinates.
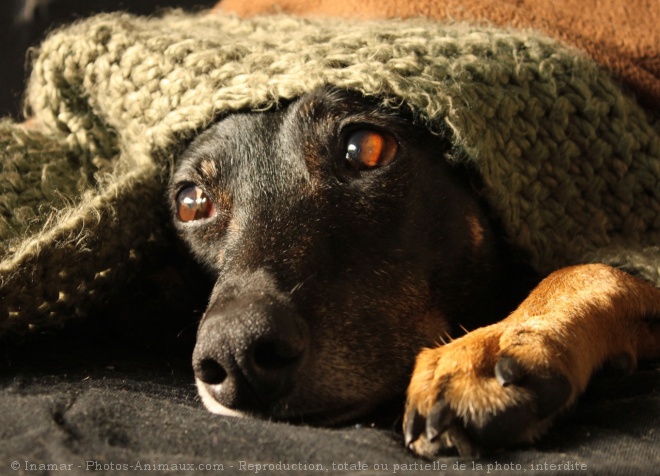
(623, 35)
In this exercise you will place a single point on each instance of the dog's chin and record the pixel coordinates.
(319, 417)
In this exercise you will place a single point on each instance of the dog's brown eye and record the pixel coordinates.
(193, 204)
(366, 149)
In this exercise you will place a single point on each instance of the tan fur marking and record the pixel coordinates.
(209, 169)
(571, 324)
(476, 231)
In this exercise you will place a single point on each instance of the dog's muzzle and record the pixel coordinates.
(249, 348)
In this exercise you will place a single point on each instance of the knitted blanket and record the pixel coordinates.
(570, 162)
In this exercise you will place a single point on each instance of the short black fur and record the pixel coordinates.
(387, 256)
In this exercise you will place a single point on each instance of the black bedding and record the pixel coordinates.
(95, 398)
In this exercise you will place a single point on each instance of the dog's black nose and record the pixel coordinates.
(249, 348)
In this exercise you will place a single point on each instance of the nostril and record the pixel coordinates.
(211, 372)
(275, 355)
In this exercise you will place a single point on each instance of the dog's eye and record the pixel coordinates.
(192, 204)
(367, 149)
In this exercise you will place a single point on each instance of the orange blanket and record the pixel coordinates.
(623, 35)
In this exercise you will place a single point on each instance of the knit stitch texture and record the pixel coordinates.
(570, 163)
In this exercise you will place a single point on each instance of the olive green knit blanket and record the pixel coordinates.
(569, 161)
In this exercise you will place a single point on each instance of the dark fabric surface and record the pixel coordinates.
(114, 393)
(98, 400)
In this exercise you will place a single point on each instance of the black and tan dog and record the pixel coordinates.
(346, 249)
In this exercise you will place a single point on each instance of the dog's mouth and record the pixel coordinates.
(328, 415)
(257, 357)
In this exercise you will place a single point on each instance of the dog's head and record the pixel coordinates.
(342, 242)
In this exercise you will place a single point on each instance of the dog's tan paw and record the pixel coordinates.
(493, 388)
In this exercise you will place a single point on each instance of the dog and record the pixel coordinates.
(353, 264)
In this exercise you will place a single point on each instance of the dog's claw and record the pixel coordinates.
(438, 431)
(508, 371)
(459, 439)
(414, 426)
(438, 419)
